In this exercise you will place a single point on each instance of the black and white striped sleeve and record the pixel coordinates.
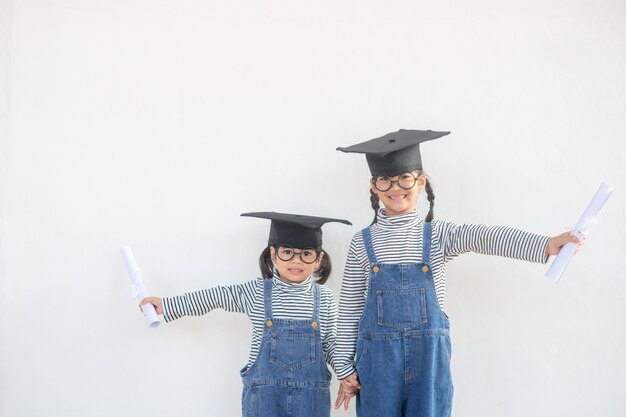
(235, 298)
(329, 322)
(351, 305)
(456, 239)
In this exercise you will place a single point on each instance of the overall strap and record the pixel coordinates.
(367, 241)
(316, 302)
(426, 242)
(267, 296)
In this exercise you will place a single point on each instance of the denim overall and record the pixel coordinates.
(403, 346)
(289, 377)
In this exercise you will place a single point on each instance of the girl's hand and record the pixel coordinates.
(348, 389)
(556, 243)
(155, 301)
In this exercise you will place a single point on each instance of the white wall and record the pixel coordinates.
(156, 123)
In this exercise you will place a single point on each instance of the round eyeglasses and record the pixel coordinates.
(286, 253)
(405, 181)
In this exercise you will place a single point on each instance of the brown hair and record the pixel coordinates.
(321, 274)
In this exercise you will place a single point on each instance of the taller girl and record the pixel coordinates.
(393, 336)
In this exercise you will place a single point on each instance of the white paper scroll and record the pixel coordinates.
(587, 220)
(139, 290)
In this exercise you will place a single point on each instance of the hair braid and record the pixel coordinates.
(431, 199)
(375, 205)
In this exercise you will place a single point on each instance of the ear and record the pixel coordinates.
(273, 255)
(318, 262)
(372, 187)
(421, 181)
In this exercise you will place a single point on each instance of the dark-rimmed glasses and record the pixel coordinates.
(286, 253)
(405, 181)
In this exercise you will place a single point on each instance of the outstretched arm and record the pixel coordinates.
(234, 298)
(456, 239)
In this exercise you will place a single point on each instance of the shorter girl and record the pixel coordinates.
(294, 319)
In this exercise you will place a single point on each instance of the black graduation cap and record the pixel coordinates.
(296, 230)
(394, 153)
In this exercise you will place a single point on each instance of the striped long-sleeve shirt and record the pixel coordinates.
(289, 301)
(398, 239)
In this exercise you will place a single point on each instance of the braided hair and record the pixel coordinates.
(431, 201)
(375, 205)
(430, 195)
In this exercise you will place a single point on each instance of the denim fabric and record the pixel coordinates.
(403, 346)
(289, 377)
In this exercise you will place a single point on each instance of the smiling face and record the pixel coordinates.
(398, 200)
(295, 270)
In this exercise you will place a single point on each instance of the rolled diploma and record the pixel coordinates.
(140, 290)
(587, 220)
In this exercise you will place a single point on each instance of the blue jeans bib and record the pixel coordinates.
(289, 377)
(403, 345)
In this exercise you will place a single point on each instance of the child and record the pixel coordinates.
(390, 309)
(294, 319)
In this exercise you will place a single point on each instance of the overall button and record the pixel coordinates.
(375, 268)
(268, 323)
(425, 268)
(314, 324)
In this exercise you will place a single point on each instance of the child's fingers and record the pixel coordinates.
(350, 391)
(155, 301)
(340, 398)
(346, 402)
(337, 402)
(351, 381)
(356, 384)
(566, 238)
(350, 385)
(144, 301)
(348, 388)
(343, 398)
(579, 246)
(557, 242)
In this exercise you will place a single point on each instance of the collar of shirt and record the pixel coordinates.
(291, 287)
(397, 222)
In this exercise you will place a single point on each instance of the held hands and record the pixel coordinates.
(155, 301)
(348, 389)
(557, 242)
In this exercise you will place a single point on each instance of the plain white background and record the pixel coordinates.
(156, 123)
